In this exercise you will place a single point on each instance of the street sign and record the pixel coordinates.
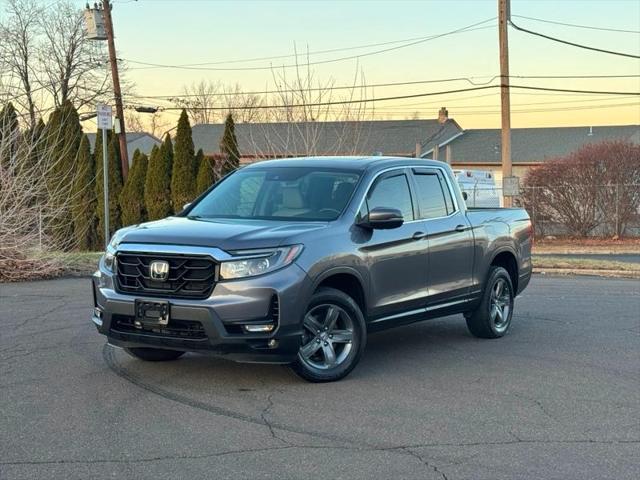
(104, 117)
(511, 186)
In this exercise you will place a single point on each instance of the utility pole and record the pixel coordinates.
(504, 14)
(122, 136)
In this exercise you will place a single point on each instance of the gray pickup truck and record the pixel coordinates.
(295, 261)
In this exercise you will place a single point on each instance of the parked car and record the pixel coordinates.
(296, 261)
(478, 188)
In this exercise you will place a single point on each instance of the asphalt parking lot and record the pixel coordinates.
(558, 398)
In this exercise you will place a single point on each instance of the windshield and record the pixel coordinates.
(280, 193)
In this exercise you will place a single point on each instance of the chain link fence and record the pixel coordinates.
(571, 210)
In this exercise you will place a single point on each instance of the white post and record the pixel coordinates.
(105, 178)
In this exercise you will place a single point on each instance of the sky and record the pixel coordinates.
(199, 31)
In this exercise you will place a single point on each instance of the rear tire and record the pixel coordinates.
(492, 318)
(334, 337)
(154, 354)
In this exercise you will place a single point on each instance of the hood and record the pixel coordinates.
(226, 234)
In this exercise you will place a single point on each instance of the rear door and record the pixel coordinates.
(450, 240)
(396, 257)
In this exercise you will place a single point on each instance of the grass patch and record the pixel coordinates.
(549, 261)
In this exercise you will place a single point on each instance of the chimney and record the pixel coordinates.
(443, 115)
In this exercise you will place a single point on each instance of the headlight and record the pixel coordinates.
(110, 255)
(110, 261)
(250, 263)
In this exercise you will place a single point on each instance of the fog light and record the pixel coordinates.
(259, 328)
(273, 343)
(97, 312)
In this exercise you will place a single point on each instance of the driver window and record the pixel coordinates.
(392, 192)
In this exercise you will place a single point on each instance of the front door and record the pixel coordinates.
(450, 258)
(396, 257)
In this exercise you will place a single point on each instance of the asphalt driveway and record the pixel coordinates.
(558, 398)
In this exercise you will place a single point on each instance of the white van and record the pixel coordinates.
(478, 188)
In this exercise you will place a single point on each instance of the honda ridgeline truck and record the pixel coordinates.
(295, 261)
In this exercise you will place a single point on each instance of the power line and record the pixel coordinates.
(470, 80)
(279, 57)
(467, 28)
(573, 44)
(589, 27)
(400, 97)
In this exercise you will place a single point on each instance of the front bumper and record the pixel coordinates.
(221, 316)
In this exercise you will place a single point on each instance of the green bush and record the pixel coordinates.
(229, 147)
(157, 197)
(83, 211)
(183, 173)
(115, 184)
(132, 203)
(206, 172)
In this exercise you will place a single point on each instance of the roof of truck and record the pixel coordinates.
(351, 163)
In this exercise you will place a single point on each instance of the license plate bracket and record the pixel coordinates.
(151, 312)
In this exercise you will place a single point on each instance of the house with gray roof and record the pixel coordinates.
(479, 149)
(135, 140)
(274, 140)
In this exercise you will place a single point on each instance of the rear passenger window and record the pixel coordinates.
(392, 192)
(447, 194)
(431, 197)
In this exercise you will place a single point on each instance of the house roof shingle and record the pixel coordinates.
(534, 145)
(389, 137)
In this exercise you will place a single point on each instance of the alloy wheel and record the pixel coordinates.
(328, 336)
(500, 306)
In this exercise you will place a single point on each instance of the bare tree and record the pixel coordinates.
(241, 105)
(73, 67)
(595, 186)
(152, 123)
(18, 43)
(199, 99)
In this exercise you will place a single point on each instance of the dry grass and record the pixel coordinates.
(587, 245)
(580, 266)
(37, 265)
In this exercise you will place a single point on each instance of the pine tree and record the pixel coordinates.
(63, 135)
(229, 147)
(156, 188)
(183, 174)
(206, 172)
(84, 199)
(9, 135)
(132, 197)
(115, 184)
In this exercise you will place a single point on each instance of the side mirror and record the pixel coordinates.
(382, 218)
(465, 196)
(186, 205)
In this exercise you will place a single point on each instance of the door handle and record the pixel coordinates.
(418, 235)
(462, 228)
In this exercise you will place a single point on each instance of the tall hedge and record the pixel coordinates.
(115, 184)
(183, 173)
(63, 135)
(157, 196)
(132, 203)
(206, 172)
(9, 133)
(84, 199)
(229, 147)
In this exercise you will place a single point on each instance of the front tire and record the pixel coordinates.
(334, 337)
(492, 318)
(154, 354)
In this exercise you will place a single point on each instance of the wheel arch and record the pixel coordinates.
(347, 280)
(506, 258)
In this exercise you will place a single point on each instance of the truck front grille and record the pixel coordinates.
(190, 276)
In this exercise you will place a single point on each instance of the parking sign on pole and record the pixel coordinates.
(105, 123)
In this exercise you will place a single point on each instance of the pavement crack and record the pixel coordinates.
(425, 462)
(267, 422)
